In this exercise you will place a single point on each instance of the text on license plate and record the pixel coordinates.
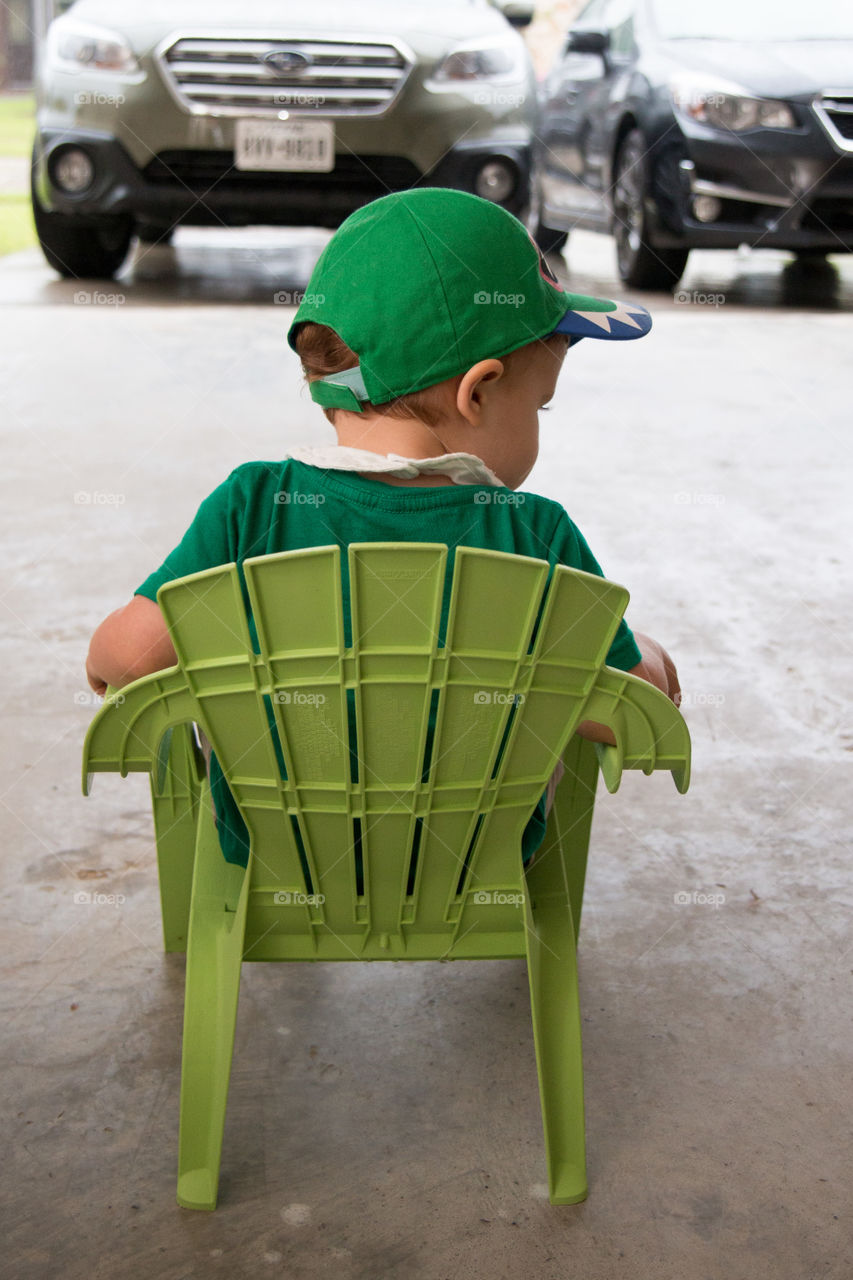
(285, 145)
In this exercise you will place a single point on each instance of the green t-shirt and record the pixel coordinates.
(265, 507)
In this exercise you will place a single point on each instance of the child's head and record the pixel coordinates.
(491, 410)
(432, 325)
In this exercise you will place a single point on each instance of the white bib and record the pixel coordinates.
(462, 468)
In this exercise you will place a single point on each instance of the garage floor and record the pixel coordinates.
(384, 1119)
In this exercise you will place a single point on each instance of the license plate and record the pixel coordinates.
(285, 145)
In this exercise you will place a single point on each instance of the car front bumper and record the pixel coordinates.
(202, 187)
(786, 190)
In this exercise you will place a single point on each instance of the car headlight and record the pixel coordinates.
(727, 107)
(498, 61)
(80, 47)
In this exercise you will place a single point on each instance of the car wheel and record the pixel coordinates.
(151, 233)
(641, 264)
(87, 249)
(549, 239)
(811, 259)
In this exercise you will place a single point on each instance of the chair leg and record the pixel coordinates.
(216, 937)
(174, 801)
(552, 971)
(570, 821)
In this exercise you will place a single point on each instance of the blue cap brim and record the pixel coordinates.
(621, 320)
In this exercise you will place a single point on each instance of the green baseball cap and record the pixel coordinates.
(422, 284)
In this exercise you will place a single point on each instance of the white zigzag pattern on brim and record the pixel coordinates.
(623, 314)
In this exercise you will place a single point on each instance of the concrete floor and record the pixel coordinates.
(383, 1120)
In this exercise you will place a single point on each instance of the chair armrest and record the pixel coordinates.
(650, 731)
(127, 734)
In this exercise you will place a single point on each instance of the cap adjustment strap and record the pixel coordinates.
(344, 390)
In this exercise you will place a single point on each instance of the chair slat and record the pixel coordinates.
(494, 602)
(396, 593)
(207, 620)
(296, 602)
(580, 619)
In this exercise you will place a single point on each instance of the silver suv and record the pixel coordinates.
(155, 113)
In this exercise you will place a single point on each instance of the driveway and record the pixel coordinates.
(383, 1121)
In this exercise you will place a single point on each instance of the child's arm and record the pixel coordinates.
(657, 667)
(128, 644)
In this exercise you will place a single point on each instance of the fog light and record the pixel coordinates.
(73, 171)
(707, 208)
(496, 180)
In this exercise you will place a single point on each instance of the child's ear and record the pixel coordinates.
(473, 387)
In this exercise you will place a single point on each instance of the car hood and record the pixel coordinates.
(149, 21)
(776, 69)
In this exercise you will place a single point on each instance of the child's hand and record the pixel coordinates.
(95, 681)
(657, 667)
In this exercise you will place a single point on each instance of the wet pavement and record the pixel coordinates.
(262, 266)
(383, 1120)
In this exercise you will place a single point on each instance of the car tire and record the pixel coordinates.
(549, 239)
(811, 259)
(150, 233)
(82, 249)
(641, 263)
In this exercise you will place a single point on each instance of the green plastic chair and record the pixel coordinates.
(404, 843)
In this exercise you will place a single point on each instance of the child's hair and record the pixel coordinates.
(322, 352)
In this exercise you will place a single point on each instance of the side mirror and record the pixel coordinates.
(581, 41)
(518, 13)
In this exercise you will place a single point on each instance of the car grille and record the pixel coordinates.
(835, 112)
(218, 76)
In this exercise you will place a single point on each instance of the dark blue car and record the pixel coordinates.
(708, 124)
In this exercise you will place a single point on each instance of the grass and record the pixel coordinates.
(16, 139)
(17, 124)
(16, 224)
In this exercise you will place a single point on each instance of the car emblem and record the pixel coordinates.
(287, 61)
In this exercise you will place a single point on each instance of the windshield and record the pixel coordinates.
(755, 20)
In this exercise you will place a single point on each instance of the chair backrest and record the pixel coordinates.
(386, 776)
